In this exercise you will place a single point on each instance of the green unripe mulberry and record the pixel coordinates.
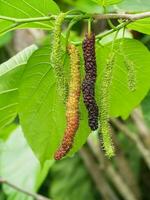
(57, 57)
(104, 106)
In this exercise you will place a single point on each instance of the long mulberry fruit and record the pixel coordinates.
(72, 106)
(88, 85)
(56, 57)
(104, 106)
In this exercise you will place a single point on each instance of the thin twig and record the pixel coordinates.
(35, 196)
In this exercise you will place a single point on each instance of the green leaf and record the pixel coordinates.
(107, 2)
(10, 74)
(19, 166)
(87, 6)
(42, 112)
(133, 6)
(122, 99)
(91, 6)
(142, 25)
(26, 9)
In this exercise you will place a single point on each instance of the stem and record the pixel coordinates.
(129, 17)
(39, 19)
(89, 26)
(132, 17)
(35, 196)
(12, 26)
(111, 24)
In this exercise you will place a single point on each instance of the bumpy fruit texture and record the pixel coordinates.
(72, 106)
(56, 57)
(131, 74)
(88, 85)
(104, 106)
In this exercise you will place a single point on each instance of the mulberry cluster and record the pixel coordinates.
(72, 113)
(88, 85)
(56, 57)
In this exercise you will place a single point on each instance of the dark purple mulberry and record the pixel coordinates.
(88, 85)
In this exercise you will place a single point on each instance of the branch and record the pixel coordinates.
(35, 196)
(132, 17)
(129, 17)
(134, 138)
(112, 174)
(39, 19)
(93, 168)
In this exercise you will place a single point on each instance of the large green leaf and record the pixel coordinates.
(122, 6)
(133, 6)
(107, 2)
(122, 99)
(10, 75)
(19, 166)
(26, 9)
(142, 25)
(86, 6)
(42, 112)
